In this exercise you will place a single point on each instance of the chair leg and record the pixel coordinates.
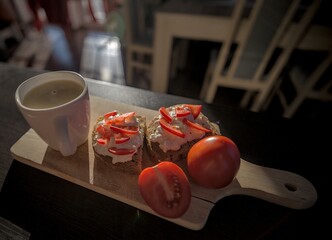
(274, 92)
(179, 56)
(211, 92)
(310, 83)
(259, 101)
(205, 85)
(290, 111)
(174, 61)
(129, 68)
(208, 75)
(246, 98)
(184, 45)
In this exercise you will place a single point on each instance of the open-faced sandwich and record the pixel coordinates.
(118, 140)
(172, 133)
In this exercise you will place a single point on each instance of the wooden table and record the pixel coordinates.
(51, 208)
(192, 21)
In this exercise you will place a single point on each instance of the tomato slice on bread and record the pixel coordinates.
(104, 132)
(195, 125)
(118, 120)
(195, 109)
(123, 117)
(124, 129)
(121, 138)
(102, 141)
(166, 189)
(168, 127)
(164, 112)
(181, 112)
(110, 114)
(121, 151)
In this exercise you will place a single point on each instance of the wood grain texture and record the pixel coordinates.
(82, 168)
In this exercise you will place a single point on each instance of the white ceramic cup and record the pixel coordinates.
(63, 127)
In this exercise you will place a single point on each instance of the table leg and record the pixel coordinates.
(161, 55)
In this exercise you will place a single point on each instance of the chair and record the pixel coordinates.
(307, 82)
(139, 24)
(255, 73)
(219, 62)
(101, 57)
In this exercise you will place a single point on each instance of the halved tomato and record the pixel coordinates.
(165, 188)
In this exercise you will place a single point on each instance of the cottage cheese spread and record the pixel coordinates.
(135, 141)
(168, 141)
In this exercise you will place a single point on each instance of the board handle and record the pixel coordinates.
(277, 186)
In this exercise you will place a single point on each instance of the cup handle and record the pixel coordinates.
(67, 146)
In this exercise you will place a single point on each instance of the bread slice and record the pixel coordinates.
(156, 147)
(129, 163)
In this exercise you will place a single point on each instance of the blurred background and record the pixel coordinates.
(262, 55)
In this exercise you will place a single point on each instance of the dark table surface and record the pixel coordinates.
(51, 208)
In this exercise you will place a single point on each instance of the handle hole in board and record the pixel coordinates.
(291, 187)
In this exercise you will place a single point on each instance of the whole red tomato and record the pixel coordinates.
(214, 161)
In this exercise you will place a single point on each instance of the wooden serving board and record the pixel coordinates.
(276, 186)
